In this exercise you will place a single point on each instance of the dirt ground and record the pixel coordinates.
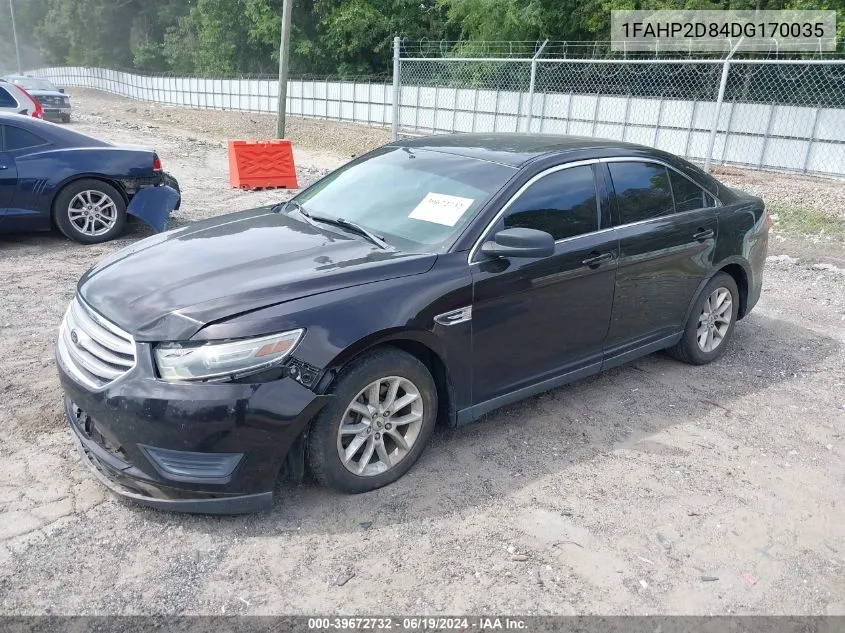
(656, 488)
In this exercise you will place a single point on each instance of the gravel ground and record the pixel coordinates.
(826, 195)
(654, 488)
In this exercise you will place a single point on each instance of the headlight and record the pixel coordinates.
(187, 361)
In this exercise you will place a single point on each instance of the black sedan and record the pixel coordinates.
(54, 176)
(433, 279)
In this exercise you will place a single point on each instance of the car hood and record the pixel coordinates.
(168, 286)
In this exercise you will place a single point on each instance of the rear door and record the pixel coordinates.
(666, 226)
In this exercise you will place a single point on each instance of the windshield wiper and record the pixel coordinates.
(354, 226)
(347, 224)
(281, 206)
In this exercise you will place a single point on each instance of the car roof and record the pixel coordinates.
(513, 149)
(58, 134)
(13, 78)
(10, 117)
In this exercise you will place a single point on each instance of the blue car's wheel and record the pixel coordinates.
(90, 211)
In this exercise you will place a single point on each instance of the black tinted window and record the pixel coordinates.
(16, 138)
(562, 203)
(688, 195)
(642, 190)
(7, 100)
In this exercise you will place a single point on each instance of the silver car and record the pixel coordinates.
(15, 100)
(53, 100)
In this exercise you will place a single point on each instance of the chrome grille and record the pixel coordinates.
(92, 349)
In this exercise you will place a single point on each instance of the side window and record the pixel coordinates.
(688, 195)
(16, 138)
(7, 100)
(563, 203)
(642, 190)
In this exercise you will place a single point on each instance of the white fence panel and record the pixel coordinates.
(760, 135)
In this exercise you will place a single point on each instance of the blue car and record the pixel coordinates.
(53, 176)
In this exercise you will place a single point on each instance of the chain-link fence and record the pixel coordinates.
(772, 113)
(767, 113)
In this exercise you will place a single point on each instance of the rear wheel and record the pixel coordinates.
(382, 414)
(711, 322)
(90, 211)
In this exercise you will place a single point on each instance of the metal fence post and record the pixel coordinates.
(394, 128)
(531, 86)
(812, 138)
(728, 130)
(772, 108)
(726, 67)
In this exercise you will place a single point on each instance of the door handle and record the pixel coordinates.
(597, 259)
(703, 234)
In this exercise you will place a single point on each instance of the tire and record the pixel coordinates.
(690, 348)
(71, 211)
(353, 388)
(65, 118)
(170, 181)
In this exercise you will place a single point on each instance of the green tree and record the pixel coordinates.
(329, 37)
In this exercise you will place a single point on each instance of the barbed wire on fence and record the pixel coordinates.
(598, 50)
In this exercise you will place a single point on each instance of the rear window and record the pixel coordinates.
(688, 195)
(6, 99)
(16, 138)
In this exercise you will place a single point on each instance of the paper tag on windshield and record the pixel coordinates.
(441, 209)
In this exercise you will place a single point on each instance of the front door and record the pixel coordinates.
(537, 319)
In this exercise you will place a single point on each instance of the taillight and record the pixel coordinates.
(156, 163)
(37, 110)
(767, 224)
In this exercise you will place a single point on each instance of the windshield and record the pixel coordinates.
(31, 83)
(415, 199)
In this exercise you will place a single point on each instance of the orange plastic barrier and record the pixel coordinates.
(262, 164)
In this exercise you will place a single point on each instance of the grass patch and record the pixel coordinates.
(806, 221)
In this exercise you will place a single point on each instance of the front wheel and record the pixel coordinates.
(382, 414)
(711, 322)
(90, 211)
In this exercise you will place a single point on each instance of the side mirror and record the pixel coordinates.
(520, 242)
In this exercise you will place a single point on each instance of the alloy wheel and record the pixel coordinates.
(714, 320)
(92, 212)
(380, 426)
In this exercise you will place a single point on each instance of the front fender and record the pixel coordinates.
(154, 205)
